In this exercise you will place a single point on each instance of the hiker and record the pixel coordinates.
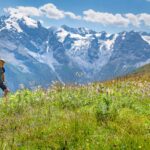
(2, 78)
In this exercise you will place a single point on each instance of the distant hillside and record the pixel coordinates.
(144, 69)
(141, 73)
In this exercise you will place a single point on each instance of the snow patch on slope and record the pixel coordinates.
(109, 43)
(146, 38)
(10, 58)
(80, 43)
(10, 45)
(30, 22)
(47, 59)
(12, 22)
(106, 46)
(61, 33)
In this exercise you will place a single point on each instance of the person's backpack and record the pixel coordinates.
(3, 69)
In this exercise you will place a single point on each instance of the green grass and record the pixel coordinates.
(113, 115)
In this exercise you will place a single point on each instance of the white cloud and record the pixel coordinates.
(27, 11)
(72, 15)
(49, 10)
(133, 19)
(52, 12)
(105, 18)
(145, 18)
(117, 19)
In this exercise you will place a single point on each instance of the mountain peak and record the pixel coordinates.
(12, 21)
(30, 22)
(80, 30)
(60, 53)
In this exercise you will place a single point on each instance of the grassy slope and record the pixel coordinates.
(142, 70)
(110, 115)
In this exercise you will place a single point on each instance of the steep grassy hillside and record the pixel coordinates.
(99, 116)
(143, 70)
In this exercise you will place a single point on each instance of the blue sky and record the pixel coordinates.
(108, 15)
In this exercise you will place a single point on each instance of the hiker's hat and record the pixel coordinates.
(2, 60)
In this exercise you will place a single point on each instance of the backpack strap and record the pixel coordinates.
(3, 69)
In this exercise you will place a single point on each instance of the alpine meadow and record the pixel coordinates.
(111, 115)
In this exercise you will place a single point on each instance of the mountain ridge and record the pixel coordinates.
(39, 55)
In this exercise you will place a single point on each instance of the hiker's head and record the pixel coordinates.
(2, 62)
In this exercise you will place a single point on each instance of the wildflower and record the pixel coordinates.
(109, 91)
(140, 147)
(21, 86)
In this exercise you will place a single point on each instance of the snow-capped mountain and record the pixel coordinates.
(36, 55)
